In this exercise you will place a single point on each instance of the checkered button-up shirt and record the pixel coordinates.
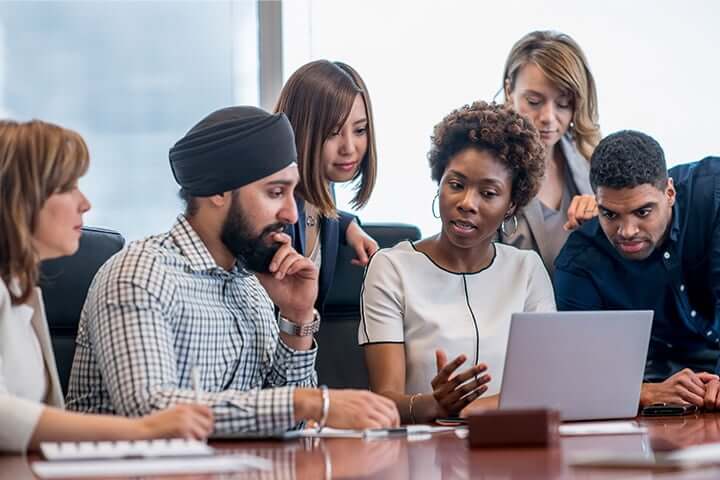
(163, 305)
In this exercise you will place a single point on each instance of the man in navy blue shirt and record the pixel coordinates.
(654, 246)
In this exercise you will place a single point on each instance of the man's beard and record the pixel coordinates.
(252, 252)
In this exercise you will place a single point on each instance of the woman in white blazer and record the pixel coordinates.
(41, 212)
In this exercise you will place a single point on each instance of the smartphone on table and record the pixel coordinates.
(451, 421)
(668, 409)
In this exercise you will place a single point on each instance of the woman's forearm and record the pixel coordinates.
(59, 425)
(424, 407)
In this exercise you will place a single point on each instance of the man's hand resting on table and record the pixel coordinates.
(685, 386)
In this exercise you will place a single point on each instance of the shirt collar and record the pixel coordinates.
(194, 249)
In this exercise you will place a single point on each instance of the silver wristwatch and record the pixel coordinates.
(292, 328)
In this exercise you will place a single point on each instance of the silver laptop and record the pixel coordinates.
(587, 365)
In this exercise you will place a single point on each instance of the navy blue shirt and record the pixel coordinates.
(680, 281)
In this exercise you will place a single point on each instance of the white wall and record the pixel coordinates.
(655, 63)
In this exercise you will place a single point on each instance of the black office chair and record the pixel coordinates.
(65, 282)
(340, 361)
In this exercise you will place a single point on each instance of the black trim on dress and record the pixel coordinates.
(477, 332)
(492, 261)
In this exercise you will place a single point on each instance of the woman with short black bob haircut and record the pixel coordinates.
(453, 293)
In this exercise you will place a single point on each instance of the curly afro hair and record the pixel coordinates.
(627, 159)
(499, 130)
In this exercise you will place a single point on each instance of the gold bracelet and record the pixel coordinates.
(410, 407)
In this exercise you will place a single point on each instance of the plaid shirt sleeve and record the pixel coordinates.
(292, 367)
(129, 323)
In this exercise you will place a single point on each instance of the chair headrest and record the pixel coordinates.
(65, 281)
(345, 291)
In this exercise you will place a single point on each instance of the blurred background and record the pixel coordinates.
(133, 76)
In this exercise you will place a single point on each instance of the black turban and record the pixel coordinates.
(230, 148)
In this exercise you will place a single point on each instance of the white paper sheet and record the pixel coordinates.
(141, 467)
(690, 457)
(409, 430)
(707, 453)
(602, 428)
(326, 432)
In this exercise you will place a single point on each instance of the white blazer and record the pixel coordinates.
(18, 416)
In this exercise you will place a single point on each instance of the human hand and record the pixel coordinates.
(452, 393)
(685, 386)
(292, 283)
(180, 421)
(712, 394)
(360, 409)
(480, 405)
(363, 244)
(582, 208)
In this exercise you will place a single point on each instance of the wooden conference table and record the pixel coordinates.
(444, 456)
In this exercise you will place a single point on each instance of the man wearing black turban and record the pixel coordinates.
(188, 315)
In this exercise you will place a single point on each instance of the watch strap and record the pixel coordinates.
(294, 329)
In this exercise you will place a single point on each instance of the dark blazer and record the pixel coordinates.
(332, 235)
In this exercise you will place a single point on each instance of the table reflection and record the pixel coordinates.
(669, 433)
(325, 459)
(444, 456)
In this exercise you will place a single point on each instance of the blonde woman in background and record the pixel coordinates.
(547, 80)
(41, 218)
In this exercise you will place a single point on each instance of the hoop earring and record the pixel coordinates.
(515, 226)
(437, 196)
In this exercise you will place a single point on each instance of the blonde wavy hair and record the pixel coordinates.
(562, 61)
(37, 159)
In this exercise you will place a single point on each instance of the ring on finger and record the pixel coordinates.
(471, 387)
(470, 397)
(476, 392)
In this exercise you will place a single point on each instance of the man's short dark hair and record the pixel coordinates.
(627, 159)
(191, 204)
